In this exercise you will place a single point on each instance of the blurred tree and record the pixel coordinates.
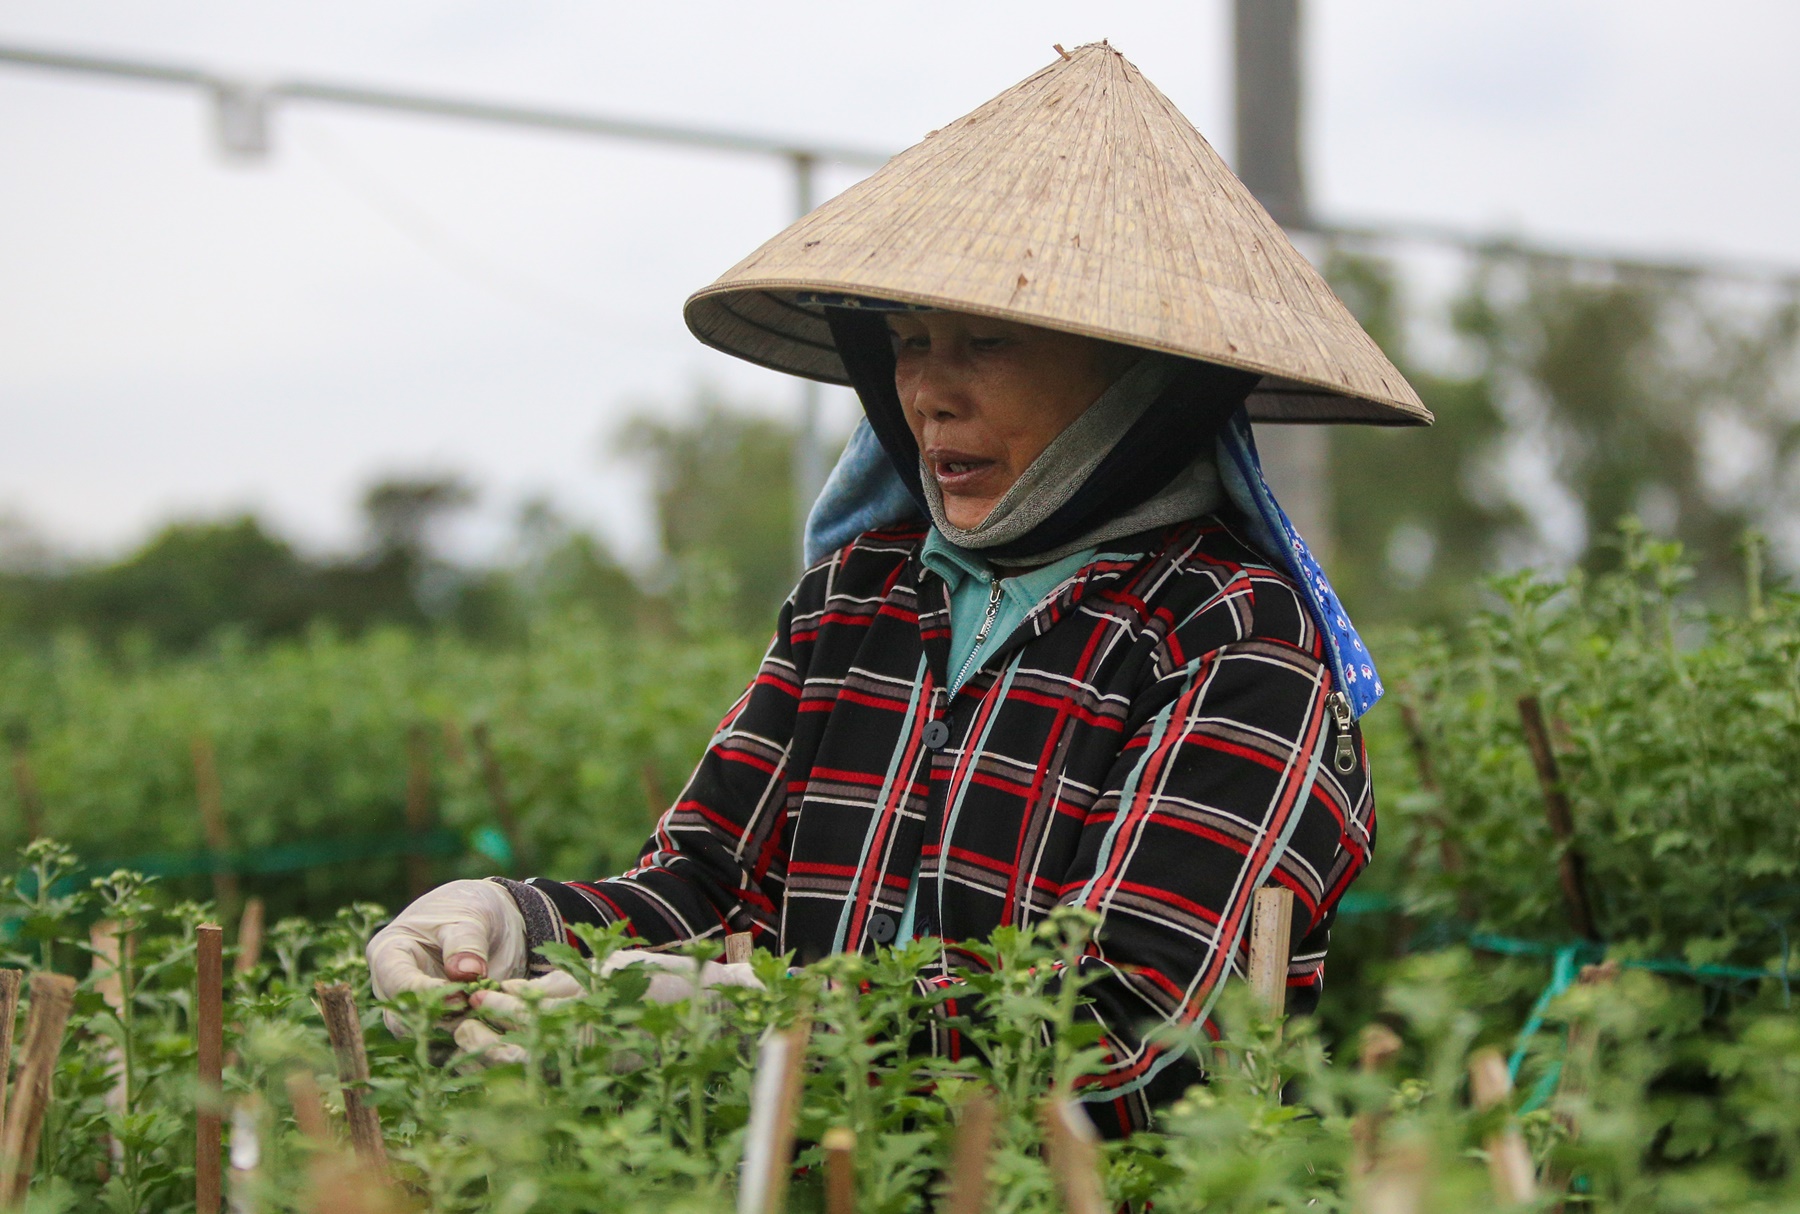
(1631, 378)
(560, 566)
(1643, 395)
(1411, 526)
(188, 581)
(401, 513)
(721, 481)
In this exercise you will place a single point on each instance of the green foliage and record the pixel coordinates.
(624, 1105)
(1676, 729)
(587, 726)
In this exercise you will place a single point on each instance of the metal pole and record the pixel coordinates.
(245, 106)
(809, 456)
(1266, 40)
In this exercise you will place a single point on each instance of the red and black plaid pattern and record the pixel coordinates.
(1148, 744)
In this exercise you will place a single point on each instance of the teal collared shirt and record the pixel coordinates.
(971, 581)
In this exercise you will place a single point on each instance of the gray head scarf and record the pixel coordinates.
(1065, 465)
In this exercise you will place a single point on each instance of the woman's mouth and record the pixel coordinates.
(956, 471)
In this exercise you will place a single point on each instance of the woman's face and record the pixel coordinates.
(985, 397)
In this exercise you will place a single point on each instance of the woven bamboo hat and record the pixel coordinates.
(1082, 200)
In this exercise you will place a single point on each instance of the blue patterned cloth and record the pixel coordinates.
(864, 492)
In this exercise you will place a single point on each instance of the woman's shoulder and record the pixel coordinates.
(1208, 578)
(869, 564)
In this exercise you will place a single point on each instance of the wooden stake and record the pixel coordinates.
(769, 1140)
(9, 1016)
(495, 779)
(1399, 1182)
(418, 806)
(1571, 866)
(209, 1016)
(309, 1110)
(211, 802)
(1450, 857)
(1072, 1149)
(52, 997)
(345, 1030)
(249, 936)
(738, 947)
(1380, 1046)
(654, 796)
(970, 1153)
(109, 945)
(1509, 1163)
(340, 1184)
(31, 800)
(1271, 927)
(840, 1170)
(1577, 1073)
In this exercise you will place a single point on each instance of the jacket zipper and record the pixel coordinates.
(993, 609)
(1345, 758)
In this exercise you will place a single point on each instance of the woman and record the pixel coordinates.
(1060, 645)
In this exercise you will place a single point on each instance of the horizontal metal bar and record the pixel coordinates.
(575, 122)
(568, 121)
(1507, 246)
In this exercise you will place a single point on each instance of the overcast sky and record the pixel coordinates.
(180, 336)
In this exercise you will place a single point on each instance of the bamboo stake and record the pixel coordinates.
(1571, 866)
(1072, 1149)
(345, 1030)
(339, 1183)
(738, 947)
(451, 733)
(1509, 1163)
(1399, 1182)
(1450, 857)
(970, 1153)
(1577, 1073)
(9, 1016)
(840, 1170)
(211, 802)
(52, 997)
(495, 779)
(309, 1110)
(769, 1139)
(209, 1008)
(1271, 930)
(654, 796)
(109, 945)
(1380, 1046)
(249, 936)
(31, 799)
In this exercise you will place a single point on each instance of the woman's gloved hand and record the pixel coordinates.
(673, 978)
(456, 933)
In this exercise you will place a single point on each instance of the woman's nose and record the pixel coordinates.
(941, 391)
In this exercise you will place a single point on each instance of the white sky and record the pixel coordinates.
(179, 336)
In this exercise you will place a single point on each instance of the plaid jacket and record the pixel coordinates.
(1153, 734)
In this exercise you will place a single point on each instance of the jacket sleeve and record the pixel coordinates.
(1227, 787)
(716, 862)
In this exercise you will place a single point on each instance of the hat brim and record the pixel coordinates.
(780, 325)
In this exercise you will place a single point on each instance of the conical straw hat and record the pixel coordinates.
(1080, 199)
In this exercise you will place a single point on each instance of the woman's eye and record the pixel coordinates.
(986, 343)
(917, 342)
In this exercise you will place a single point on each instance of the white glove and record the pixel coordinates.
(673, 980)
(456, 933)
